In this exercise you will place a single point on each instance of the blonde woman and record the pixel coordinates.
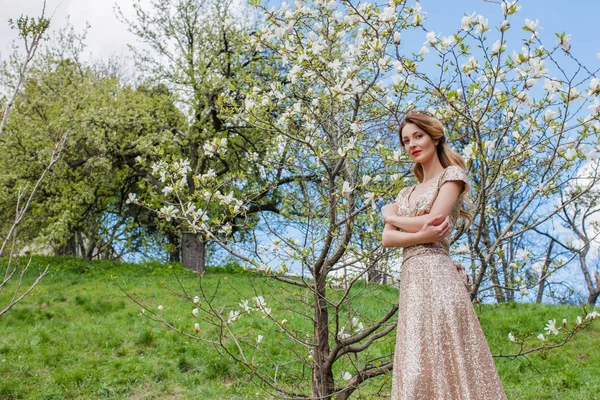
(441, 351)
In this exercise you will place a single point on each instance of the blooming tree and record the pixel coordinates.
(31, 32)
(333, 117)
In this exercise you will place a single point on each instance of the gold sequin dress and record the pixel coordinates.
(441, 352)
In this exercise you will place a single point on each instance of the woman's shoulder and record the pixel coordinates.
(453, 173)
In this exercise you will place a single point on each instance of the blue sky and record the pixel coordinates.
(107, 36)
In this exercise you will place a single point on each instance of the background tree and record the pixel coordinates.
(197, 49)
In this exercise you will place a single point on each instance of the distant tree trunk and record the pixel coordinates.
(193, 252)
(175, 247)
(374, 273)
(594, 295)
(67, 249)
(547, 262)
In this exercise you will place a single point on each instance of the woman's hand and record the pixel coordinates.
(435, 229)
(389, 211)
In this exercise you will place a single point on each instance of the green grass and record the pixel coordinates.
(79, 337)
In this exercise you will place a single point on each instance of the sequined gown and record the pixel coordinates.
(441, 351)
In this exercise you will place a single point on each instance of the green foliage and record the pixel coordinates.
(80, 337)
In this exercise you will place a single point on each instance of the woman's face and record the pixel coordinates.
(417, 143)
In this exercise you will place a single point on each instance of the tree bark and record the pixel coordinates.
(67, 249)
(193, 252)
(322, 375)
(175, 247)
(547, 262)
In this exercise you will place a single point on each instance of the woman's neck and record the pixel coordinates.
(432, 169)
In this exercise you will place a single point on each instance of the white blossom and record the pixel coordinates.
(196, 299)
(549, 115)
(424, 50)
(197, 327)
(161, 308)
(397, 37)
(131, 198)
(531, 25)
(259, 338)
(168, 211)
(551, 327)
(347, 376)
(541, 337)
(565, 42)
(466, 21)
(346, 189)
(430, 38)
(468, 151)
(387, 14)
(234, 315)
(511, 337)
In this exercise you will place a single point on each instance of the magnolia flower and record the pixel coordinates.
(511, 337)
(233, 316)
(284, 321)
(167, 189)
(143, 311)
(551, 327)
(595, 107)
(244, 305)
(131, 198)
(496, 46)
(594, 86)
(196, 299)
(465, 22)
(468, 151)
(195, 312)
(347, 376)
(524, 292)
(370, 198)
(592, 315)
(549, 115)
(430, 38)
(424, 50)
(579, 320)
(570, 153)
(541, 337)
(564, 322)
(160, 308)
(489, 146)
(481, 25)
(387, 14)
(259, 338)
(397, 37)
(531, 25)
(168, 212)
(447, 41)
(523, 253)
(463, 249)
(346, 189)
(565, 42)
(366, 179)
(509, 8)
(552, 86)
(197, 327)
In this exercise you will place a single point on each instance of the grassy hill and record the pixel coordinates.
(79, 336)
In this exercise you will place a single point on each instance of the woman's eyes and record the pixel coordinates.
(416, 137)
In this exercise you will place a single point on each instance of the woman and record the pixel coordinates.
(441, 351)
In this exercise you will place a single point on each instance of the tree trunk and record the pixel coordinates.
(322, 375)
(175, 248)
(67, 249)
(193, 252)
(547, 262)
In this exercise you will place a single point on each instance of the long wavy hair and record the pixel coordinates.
(434, 128)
